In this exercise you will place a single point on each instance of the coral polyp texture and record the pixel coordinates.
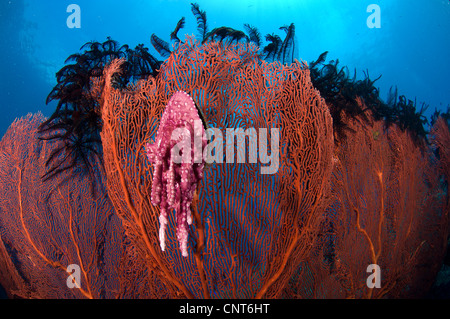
(176, 176)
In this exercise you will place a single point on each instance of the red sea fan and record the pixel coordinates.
(46, 226)
(250, 230)
(388, 209)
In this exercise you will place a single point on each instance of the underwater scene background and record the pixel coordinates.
(93, 206)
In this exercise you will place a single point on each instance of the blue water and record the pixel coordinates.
(410, 49)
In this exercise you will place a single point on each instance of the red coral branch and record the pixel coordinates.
(251, 229)
(47, 228)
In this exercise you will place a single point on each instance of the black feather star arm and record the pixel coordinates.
(286, 53)
(270, 50)
(174, 34)
(202, 26)
(160, 45)
(225, 33)
(254, 34)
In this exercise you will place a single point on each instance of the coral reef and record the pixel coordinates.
(240, 246)
(357, 181)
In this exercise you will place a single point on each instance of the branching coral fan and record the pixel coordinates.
(309, 230)
(250, 230)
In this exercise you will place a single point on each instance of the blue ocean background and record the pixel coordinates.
(410, 49)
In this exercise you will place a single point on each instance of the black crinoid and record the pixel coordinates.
(280, 50)
(344, 93)
(76, 123)
(226, 34)
(277, 49)
(253, 34)
(202, 24)
(408, 117)
(340, 92)
(437, 114)
(163, 47)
